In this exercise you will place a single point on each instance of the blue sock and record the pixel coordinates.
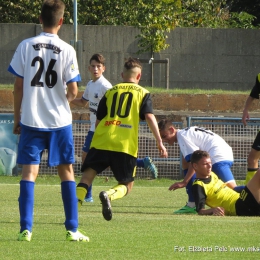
(26, 203)
(89, 193)
(189, 186)
(140, 162)
(239, 188)
(70, 204)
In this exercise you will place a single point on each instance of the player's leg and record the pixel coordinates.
(253, 158)
(86, 180)
(254, 186)
(123, 167)
(61, 153)
(148, 165)
(96, 161)
(85, 149)
(252, 164)
(26, 201)
(30, 146)
(189, 208)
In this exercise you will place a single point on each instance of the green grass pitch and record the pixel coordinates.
(143, 226)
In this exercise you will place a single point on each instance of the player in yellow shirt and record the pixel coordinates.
(222, 200)
(115, 141)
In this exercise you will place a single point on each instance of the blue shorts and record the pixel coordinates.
(88, 140)
(59, 144)
(223, 170)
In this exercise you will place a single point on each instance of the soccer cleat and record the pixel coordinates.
(106, 206)
(26, 235)
(186, 210)
(149, 166)
(76, 236)
(89, 199)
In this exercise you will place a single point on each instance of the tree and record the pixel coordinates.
(251, 7)
(154, 18)
(212, 14)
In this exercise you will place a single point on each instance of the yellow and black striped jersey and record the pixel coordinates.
(213, 192)
(119, 112)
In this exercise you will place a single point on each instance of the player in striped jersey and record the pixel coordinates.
(46, 75)
(115, 141)
(209, 190)
(95, 90)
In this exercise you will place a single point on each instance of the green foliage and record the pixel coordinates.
(154, 18)
(212, 14)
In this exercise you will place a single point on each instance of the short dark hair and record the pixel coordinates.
(164, 124)
(131, 63)
(51, 12)
(197, 155)
(98, 58)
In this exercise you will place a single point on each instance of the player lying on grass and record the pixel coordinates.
(209, 190)
(195, 138)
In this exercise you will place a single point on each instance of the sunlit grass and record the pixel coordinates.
(175, 91)
(143, 226)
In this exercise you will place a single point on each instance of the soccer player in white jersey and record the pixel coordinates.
(95, 90)
(46, 75)
(196, 138)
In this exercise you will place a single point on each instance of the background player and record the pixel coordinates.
(189, 140)
(115, 141)
(254, 155)
(95, 90)
(44, 67)
(209, 190)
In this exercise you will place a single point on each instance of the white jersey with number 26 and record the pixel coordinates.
(46, 63)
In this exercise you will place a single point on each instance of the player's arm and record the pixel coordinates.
(254, 94)
(248, 104)
(18, 96)
(182, 184)
(153, 125)
(101, 110)
(200, 201)
(79, 102)
(218, 211)
(146, 113)
(72, 91)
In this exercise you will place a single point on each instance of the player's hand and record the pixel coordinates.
(17, 129)
(219, 211)
(162, 150)
(245, 118)
(177, 185)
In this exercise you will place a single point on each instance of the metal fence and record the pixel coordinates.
(240, 138)
(167, 168)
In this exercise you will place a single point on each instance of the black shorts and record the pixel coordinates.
(247, 205)
(256, 143)
(122, 165)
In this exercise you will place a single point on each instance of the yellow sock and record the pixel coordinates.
(81, 194)
(250, 174)
(117, 192)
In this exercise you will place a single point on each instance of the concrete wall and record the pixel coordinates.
(198, 58)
